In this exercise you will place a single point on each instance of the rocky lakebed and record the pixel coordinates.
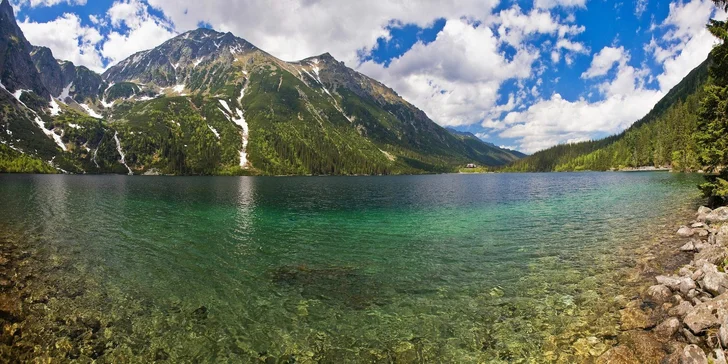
(683, 316)
(670, 305)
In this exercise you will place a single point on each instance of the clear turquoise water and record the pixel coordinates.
(466, 268)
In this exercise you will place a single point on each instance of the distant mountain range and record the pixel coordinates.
(211, 103)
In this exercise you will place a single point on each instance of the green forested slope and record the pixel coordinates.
(664, 137)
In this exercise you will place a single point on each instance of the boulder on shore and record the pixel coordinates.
(692, 354)
(685, 232)
(715, 282)
(709, 314)
(713, 254)
(704, 210)
(718, 215)
(681, 310)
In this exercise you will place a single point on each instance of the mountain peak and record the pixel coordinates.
(5, 6)
(325, 57)
(17, 70)
(200, 33)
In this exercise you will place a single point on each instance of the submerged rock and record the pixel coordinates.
(200, 313)
(645, 345)
(659, 293)
(618, 355)
(635, 318)
(161, 355)
(345, 285)
(667, 329)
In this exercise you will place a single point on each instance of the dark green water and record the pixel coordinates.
(448, 268)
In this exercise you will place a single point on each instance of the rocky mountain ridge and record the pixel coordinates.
(206, 102)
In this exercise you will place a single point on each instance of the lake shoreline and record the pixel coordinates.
(681, 312)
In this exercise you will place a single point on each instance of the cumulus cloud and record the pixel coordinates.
(686, 43)
(67, 38)
(293, 30)
(556, 119)
(513, 25)
(145, 30)
(84, 45)
(603, 61)
(625, 98)
(455, 78)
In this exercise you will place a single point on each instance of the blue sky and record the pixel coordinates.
(522, 74)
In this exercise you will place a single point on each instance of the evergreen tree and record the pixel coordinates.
(713, 117)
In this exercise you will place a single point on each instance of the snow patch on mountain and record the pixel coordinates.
(66, 93)
(91, 112)
(38, 121)
(226, 106)
(214, 131)
(55, 108)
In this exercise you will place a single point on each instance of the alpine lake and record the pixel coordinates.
(435, 268)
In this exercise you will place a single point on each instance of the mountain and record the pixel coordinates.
(206, 102)
(17, 71)
(496, 156)
(663, 138)
(65, 80)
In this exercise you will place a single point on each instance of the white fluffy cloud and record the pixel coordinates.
(85, 45)
(625, 98)
(686, 43)
(555, 120)
(67, 38)
(146, 31)
(293, 30)
(604, 61)
(455, 78)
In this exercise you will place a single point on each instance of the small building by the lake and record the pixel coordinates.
(471, 165)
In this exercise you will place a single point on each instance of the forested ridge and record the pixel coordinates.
(663, 138)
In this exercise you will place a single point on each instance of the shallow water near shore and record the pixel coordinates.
(442, 268)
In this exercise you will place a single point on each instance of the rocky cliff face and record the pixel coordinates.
(17, 71)
(64, 79)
